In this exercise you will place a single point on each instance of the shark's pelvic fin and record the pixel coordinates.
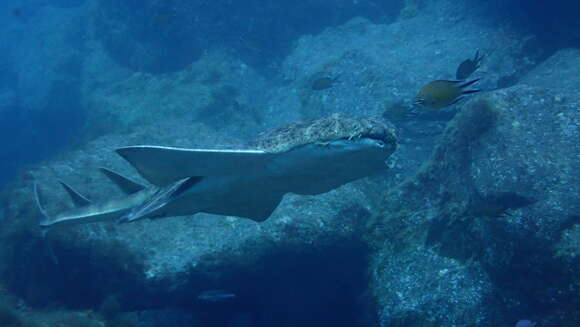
(78, 199)
(124, 183)
(160, 199)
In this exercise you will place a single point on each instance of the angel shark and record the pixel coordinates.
(303, 158)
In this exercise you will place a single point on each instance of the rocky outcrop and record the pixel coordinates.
(490, 215)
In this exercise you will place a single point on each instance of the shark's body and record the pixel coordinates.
(243, 183)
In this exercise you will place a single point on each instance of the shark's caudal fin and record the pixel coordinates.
(43, 218)
(125, 184)
(78, 199)
(44, 222)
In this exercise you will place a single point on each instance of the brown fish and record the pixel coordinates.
(441, 93)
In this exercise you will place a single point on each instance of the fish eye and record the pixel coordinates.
(380, 144)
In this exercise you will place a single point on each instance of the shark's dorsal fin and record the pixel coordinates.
(78, 199)
(125, 184)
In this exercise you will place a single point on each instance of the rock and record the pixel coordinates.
(518, 143)
(559, 73)
(218, 89)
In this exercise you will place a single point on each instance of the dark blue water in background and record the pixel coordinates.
(30, 135)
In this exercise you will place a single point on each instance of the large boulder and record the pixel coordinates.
(491, 216)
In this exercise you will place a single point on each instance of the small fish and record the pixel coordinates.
(441, 93)
(525, 323)
(216, 296)
(468, 67)
(323, 83)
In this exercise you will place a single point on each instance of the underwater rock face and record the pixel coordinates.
(142, 35)
(430, 290)
(559, 72)
(218, 89)
(519, 141)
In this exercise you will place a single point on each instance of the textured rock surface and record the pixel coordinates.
(516, 141)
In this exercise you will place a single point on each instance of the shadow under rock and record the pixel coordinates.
(49, 272)
(324, 285)
(527, 275)
(293, 287)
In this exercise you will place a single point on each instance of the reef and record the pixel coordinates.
(498, 149)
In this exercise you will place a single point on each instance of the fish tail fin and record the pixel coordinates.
(470, 91)
(468, 83)
(457, 100)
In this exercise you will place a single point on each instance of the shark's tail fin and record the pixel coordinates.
(43, 218)
(43, 222)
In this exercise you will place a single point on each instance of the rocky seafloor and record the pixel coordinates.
(476, 222)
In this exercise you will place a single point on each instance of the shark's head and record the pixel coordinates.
(333, 150)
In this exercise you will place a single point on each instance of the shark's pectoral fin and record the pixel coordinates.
(260, 210)
(78, 199)
(124, 183)
(257, 206)
(164, 165)
(150, 207)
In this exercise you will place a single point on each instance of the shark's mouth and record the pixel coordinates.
(383, 138)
